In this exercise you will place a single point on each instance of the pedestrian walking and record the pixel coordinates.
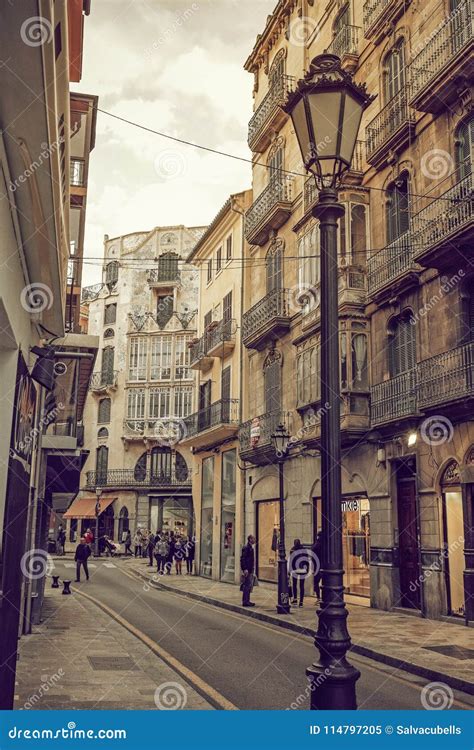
(150, 549)
(138, 542)
(298, 568)
(89, 537)
(161, 554)
(170, 556)
(178, 555)
(83, 552)
(189, 552)
(247, 566)
(128, 542)
(317, 553)
(61, 540)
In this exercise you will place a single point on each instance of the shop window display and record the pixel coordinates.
(228, 516)
(267, 540)
(207, 514)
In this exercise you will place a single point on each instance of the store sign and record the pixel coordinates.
(350, 505)
(255, 432)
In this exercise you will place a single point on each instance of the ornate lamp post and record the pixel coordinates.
(280, 440)
(98, 492)
(326, 110)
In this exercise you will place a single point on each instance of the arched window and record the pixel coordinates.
(168, 267)
(464, 148)
(272, 381)
(402, 346)
(394, 72)
(104, 410)
(181, 468)
(274, 264)
(109, 333)
(398, 208)
(277, 70)
(103, 433)
(111, 274)
(101, 464)
(139, 472)
(160, 468)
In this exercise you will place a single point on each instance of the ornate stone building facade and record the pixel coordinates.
(145, 314)
(405, 302)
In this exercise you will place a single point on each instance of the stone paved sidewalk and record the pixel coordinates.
(80, 658)
(404, 641)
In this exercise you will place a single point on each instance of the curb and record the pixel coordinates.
(456, 683)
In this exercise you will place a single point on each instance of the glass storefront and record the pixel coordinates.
(228, 490)
(355, 542)
(207, 515)
(268, 515)
(171, 514)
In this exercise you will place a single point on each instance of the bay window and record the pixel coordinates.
(138, 358)
(160, 368)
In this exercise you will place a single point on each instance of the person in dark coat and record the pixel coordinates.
(150, 548)
(189, 552)
(61, 540)
(317, 552)
(247, 566)
(83, 552)
(170, 557)
(298, 568)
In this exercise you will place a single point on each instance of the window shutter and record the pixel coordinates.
(273, 387)
(227, 308)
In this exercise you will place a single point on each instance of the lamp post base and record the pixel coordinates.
(283, 606)
(333, 686)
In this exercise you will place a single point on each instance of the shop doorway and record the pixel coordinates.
(268, 531)
(355, 541)
(453, 526)
(410, 580)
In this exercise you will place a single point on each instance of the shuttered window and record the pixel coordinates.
(227, 308)
(101, 464)
(402, 347)
(272, 374)
(103, 416)
(274, 276)
(107, 370)
(110, 314)
(394, 79)
(465, 148)
(168, 267)
(398, 216)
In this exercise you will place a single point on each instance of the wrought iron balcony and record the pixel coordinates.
(444, 230)
(91, 292)
(391, 266)
(212, 424)
(354, 419)
(390, 130)
(269, 116)
(130, 478)
(198, 356)
(444, 58)
(346, 46)
(103, 381)
(169, 430)
(267, 320)
(394, 399)
(446, 377)
(270, 210)
(255, 437)
(220, 339)
(377, 14)
(163, 277)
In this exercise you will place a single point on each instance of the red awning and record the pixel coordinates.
(84, 507)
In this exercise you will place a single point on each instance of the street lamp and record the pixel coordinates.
(98, 492)
(280, 440)
(326, 110)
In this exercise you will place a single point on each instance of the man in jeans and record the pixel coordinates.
(82, 554)
(247, 566)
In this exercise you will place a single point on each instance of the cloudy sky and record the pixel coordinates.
(174, 66)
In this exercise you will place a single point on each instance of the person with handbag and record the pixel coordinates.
(298, 568)
(247, 566)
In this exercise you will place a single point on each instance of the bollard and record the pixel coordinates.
(55, 583)
(66, 589)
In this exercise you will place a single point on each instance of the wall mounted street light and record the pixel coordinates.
(98, 492)
(280, 441)
(326, 110)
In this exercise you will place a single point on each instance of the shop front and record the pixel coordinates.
(227, 528)
(268, 529)
(453, 524)
(207, 515)
(171, 513)
(355, 542)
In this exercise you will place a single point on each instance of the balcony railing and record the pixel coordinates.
(373, 10)
(438, 53)
(378, 14)
(137, 478)
(222, 412)
(390, 263)
(221, 334)
(269, 105)
(163, 275)
(444, 218)
(447, 376)
(91, 292)
(270, 313)
(394, 399)
(255, 434)
(102, 380)
(390, 128)
(264, 214)
(346, 41)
